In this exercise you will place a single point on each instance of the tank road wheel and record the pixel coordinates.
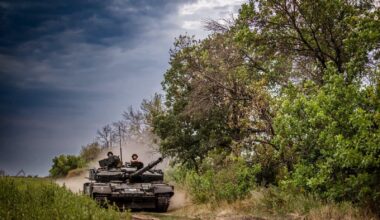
(162, 202)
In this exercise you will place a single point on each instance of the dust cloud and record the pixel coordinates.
(179, 200)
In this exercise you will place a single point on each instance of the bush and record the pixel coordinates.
(234, 180)
(64, 163)
(331, 134)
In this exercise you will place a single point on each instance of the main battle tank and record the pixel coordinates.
(130, 186)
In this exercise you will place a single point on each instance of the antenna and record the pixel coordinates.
(121, 152)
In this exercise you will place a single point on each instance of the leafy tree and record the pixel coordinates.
(329, 138)
(299, 38)
(62, 164)
(213, 101)
(90, 152)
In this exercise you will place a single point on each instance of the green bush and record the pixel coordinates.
(331, 134)
(25, 198)
(234, 180)
(62, 164)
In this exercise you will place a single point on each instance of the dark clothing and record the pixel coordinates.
(137, 164)
(110, 162)
(114, 162)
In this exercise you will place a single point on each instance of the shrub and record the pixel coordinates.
(64, 163)
(332, 134)
(232, 181)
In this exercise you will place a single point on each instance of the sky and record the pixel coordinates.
(67, 68)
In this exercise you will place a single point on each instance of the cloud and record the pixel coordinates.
(193, 14)
(195, 7)
(70, 67)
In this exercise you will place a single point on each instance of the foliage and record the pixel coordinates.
(231, 181)
(213, 102)
(25, 198)
(90, 152)
(62, 164)
(300, 38)
(292, 86)
(330, 138)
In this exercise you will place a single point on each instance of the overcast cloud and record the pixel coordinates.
(70, 67)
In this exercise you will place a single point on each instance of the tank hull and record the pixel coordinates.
(155, 196)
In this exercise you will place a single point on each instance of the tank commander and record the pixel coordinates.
(113, 161)
(109, 154)
(135, 162)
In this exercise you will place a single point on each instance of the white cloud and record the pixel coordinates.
(192, 25)
(194, 7)
(191, 16)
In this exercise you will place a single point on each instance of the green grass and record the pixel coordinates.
(35, 198)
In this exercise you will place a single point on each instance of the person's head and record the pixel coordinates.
(110, 154)
(134, 156)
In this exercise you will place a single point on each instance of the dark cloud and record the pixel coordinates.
(70, 67)
(98, 21)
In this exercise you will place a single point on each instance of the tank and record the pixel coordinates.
(129, 186)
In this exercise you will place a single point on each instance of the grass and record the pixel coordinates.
(273, 203)
(36, 198)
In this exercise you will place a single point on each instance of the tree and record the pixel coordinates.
(306, 35)
(106, 136)
(135, 122)
(90, 152)
(224, 92)
(329, 137)
(62, 164)
(214, 101)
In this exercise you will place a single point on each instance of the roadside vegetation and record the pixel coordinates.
(35, 198)
(65, 164)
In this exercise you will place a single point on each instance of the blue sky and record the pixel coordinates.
(70, 67)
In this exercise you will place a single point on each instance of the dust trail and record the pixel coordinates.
(179, 200)
(74, 183)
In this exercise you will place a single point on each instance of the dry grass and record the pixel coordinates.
(339, 212)
(269, 204)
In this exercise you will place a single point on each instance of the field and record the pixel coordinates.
(37, 198)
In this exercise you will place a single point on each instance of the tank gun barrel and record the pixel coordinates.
(148, 167)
